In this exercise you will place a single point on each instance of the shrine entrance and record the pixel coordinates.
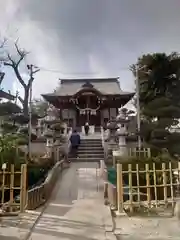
(88, 108)
(88, 116)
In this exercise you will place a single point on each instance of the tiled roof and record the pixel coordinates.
(107, 86)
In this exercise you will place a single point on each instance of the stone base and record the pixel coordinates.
(120, 214)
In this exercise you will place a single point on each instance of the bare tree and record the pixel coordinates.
(14, 63)
(2, 74)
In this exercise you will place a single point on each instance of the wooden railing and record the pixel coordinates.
(36, 197)
(139, 153)
(39, 195)
(131, 152)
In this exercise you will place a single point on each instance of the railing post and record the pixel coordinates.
(11, 186)
(120, 209)
(23, 193)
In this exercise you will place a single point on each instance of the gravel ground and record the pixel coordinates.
(151, 228)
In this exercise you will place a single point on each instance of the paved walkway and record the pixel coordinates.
(75, 212)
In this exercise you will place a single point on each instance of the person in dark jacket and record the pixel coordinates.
(86, 128)
(75, 141)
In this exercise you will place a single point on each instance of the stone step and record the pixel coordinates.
(85, 159)
(90, 146)
(80, 150)
(94, 151)
(91, 140)
(101, 156)
(91, 143)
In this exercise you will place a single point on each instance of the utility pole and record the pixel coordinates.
(138, 108)
(32, 70)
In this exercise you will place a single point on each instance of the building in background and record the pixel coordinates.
(95, 100)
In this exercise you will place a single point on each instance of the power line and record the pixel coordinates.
(64, 73)
(75, 73)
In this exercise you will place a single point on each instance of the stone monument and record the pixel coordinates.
(121, 134)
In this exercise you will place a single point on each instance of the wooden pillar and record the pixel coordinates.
(102, 117)
(109, 113)
(60, 113)
(75, 118)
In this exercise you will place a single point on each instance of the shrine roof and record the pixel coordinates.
(106, 86)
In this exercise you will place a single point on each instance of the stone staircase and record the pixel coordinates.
(90, 150)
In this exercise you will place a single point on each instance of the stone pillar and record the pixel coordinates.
(122, 141)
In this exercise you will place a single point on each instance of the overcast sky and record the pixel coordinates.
(89, 38)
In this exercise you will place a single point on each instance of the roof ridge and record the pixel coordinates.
(70, 80)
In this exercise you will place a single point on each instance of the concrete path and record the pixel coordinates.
(75, 211)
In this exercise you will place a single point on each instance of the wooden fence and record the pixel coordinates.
(15, 182)
(147, 184)
(152, 184)
(136, 152)
(132, 152)
(8, 184)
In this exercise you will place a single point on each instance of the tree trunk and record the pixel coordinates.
(26, 101)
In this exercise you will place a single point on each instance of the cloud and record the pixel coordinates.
(90, 38)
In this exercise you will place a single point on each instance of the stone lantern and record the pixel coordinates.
(51, 113)
(112, 127)
(122, 133)
(49, 141)
(48, 131)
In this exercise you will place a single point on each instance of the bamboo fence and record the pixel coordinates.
(149, 184)
(11, 181)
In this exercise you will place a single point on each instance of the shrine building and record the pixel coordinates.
(95, 100)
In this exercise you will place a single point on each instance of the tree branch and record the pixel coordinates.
(3, 43)
(2, 74)
(15, 64)
(16, 71)
(9, 61)
(30, 82)
(31, 79)
(18, 75)
(37, 70)
(21, 100)
(22, 54)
